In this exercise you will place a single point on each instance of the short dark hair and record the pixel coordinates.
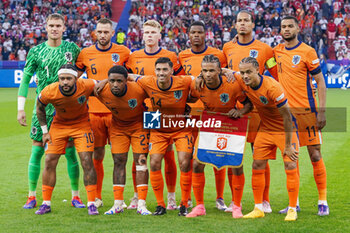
(69, 66)
(250, 60)
(211, 59)
(197, 23)
(118, 70)
(105, 21)
(162, 60)
(247, 12)
(290, 17)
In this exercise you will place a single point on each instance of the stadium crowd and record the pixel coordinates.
(22, 23)
(325, 24)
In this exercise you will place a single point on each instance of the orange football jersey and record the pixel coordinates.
(295, 67)
(263, 53)
(267, 98)
(126, 109)
(96, 62)
(170, 102)
(221, 99)
(71, 109)
(191, 61)
(143, 63)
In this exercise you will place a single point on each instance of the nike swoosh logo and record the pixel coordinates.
(92, 59)
(138, 62)
(88, 146)
(231, 54)
(279, 56)
(311, 140)
(108, 103)
(202, 96)
(187, 60)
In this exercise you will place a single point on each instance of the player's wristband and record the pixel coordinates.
(21, 100)
(44, 129)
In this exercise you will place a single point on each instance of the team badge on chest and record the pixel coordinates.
(253, 53)
(81, 99)
(263, 100)
(132, 103)
(296, 59)
(224, 97)
(177, 94)
(68, 56)
(115, 57)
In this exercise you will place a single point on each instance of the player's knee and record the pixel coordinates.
(185, 165)
(237, 171)
(99, 153)
(259, 164)
(70, 144)
(51, 162)
(86, 161)
(197, 167)
(290, 165)
(314, 152)
(155, 164)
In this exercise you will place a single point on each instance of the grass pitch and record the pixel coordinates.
(15, 150)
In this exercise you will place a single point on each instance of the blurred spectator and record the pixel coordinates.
(121, 37)
(21, 54)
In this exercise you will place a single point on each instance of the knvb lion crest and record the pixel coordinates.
(296, 59)
(263, 100)
(81, 99)
(68, 56)
(177, 94)
(253, 53)
(115, 57)
(132, 103)
(224, 97)
(221, 143)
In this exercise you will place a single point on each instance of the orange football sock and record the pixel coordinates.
(134, 176)
(91, 192)
(170, 171)
(47, 192)
(198, 181)
(100, 174)
(157, 183)
(238, 184)
(267, 183)
(320, 176)
(230, 182)
(258, 185)
(220, 176)
(292, 186)
(118, 192)
(185, 183)
(142, 190)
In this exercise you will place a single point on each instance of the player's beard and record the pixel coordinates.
(68, 91)
(105, 43)
(292, 37)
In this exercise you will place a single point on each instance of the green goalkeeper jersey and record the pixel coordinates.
(45, 61)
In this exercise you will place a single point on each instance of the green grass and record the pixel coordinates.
(15, 151)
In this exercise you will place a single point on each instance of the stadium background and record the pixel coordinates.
(325, 26)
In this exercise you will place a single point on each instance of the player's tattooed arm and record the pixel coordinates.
(41, 114)
(288, 129)
(321, 90)
(237, 113)
(99, 87)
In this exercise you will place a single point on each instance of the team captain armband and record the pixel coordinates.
(316, 71)
(271, 63)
